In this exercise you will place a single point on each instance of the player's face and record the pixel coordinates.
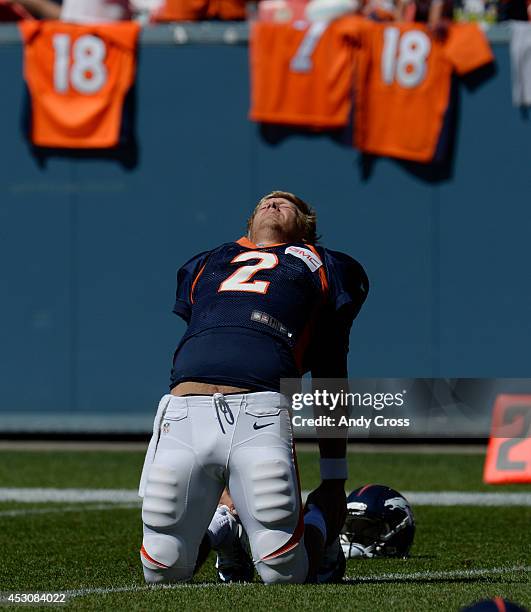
(279, 214)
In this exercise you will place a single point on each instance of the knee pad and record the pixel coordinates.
(164, 559)
(274, 492)
(166, 489)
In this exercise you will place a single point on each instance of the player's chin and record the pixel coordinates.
(272, 223)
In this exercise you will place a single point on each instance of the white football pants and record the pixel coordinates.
(201, 444)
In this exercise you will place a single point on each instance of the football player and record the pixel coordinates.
(268, 306)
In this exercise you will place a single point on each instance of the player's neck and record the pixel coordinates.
(266, 238)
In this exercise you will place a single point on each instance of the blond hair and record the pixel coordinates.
(306, 217)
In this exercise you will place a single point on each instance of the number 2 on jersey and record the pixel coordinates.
(408, 67)
(240, 280)
(88, 73)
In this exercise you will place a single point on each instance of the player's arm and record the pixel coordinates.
(331, 364)
(348, 290)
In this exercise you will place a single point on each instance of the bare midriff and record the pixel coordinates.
(199, 388)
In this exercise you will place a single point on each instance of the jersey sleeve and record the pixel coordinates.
(467, 48)
(348, 286)
(187, 276)
(347, 281)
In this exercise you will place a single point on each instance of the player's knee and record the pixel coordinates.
(164, 559)
(274, 503)
(288, 568)
(274, 492)
(281, 557)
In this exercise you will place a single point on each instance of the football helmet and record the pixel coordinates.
(379, 523)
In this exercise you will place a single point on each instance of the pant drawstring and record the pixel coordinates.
(222, 406)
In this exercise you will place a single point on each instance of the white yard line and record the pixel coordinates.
(130, 496)
(63, 509)
(36, 495)
(441, 575)
(74, 445)
(458, 498)
(405, 577)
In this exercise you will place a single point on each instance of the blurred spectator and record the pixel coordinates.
(514, 9)
(282, 11)
(145, 8)
(425, 11)
(521, 63)
(78, 11)
(484, 11)
(380, 10)
(198, 10)
(96, 11)
(11, 10)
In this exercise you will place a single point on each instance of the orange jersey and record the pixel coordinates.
(78, 77)
(403, 81)
(198, 10)
(302, 73)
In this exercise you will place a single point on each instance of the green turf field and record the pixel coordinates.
(461, 554)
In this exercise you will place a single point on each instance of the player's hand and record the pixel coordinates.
(331, 500)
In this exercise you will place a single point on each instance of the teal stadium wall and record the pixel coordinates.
(89, 247)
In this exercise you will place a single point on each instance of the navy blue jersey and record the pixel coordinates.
(259, 314)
